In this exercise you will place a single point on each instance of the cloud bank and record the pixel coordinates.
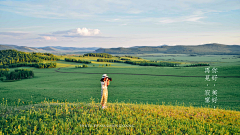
(50, 38)
(84, 32)
(79, 32)
(69, 34)
(52, 21)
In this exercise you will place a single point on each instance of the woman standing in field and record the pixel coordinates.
(104, 91)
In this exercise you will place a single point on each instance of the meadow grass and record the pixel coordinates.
(128, 85)
(141, 100)
(51, 117)
(131, 83)
(215, 60)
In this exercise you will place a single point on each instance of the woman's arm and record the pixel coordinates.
(104, 84)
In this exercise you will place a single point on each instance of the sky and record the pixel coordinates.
(119, 23)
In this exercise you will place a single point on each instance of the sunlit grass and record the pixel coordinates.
(119, 118)
(124, 66)
(95, 63)
(59, 65)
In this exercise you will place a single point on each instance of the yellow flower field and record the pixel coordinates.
(118, 118)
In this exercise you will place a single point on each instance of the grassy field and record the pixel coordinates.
(214, 60)
(131, 83)
(165, 86)
(118, 118)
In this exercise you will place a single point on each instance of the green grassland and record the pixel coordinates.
(214, 60)
(165, 86)
(131, 83)
(118, 118)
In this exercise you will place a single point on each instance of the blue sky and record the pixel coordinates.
(119, 23)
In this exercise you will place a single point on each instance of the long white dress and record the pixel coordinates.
(104, 93)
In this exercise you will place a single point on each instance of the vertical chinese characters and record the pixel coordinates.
(211, 95)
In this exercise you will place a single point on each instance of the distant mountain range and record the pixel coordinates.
(51, 49)
(210, 49)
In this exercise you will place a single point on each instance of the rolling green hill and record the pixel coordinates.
(19, 48)
(209, 49)
(52, 49)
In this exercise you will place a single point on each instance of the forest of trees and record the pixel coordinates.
(26, 64)
(104, 55)
(132, 57)
(197, 65)
(77, 61)
(46, 65)
(3, 72)
(14, 58)
(18, 74)
(109, 60)
(81, 66)
(153, 63)
(142, 63)
(124, 59)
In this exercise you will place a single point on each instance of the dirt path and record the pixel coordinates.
(142, 74)
(63, 67)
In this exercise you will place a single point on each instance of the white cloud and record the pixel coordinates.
(50, 38)
(79, 32)
(83, 32)
(87, 32)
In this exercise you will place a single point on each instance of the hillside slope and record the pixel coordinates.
(51, 49)
(19, 48)
(118, 118)
(181, 49)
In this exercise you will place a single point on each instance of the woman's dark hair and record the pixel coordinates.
(102, 80)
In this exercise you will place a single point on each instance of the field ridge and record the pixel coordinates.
(86, 118)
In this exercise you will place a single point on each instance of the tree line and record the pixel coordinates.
(81, 66)
(77, 61)
(104, 55)
(17, 74)
(132, 57)
(142, 63)
(197, 65)
(9, 57)
(26, 64)
(153, 63)
(47, 58)
(46, 65)
(3, 72)
(124, 59)
(109, 60)
(47, 54)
